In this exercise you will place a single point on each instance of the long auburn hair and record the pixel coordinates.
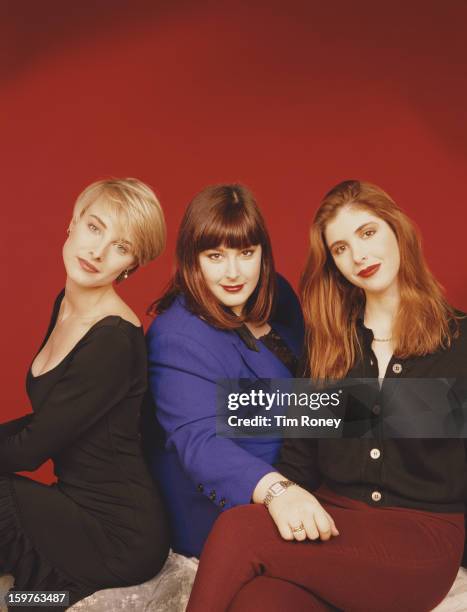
(224, 215)
(332, 305)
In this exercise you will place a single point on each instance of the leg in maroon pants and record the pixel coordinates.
(275, 594)
(385, 559)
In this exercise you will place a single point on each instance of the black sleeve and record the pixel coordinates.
(13, 427)
(298, 461)
(97, 379)
(464, 559)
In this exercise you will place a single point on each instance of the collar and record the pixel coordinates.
(247, 338)
(364, 333)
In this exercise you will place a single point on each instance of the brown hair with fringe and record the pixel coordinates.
(332, 305)
(220, 215)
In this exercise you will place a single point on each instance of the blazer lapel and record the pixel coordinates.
(262, 364)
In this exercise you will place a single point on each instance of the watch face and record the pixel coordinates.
(276, 488)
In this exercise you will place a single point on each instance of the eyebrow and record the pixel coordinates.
(121, 240)
(355, 232)
(98, 219)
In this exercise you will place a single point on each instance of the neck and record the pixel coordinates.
(381, 310)
(82, 301)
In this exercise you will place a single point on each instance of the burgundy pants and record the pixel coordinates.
(384, 560)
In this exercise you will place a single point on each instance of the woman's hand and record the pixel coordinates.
(299, 515)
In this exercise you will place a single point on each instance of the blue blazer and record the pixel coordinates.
(199, 473)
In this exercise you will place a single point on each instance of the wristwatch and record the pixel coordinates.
(277, 489)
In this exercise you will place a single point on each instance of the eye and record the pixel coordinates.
(122, 249)
(214, 256)
(339, 249)
(369, 232)
(248, 252)
(93, 228)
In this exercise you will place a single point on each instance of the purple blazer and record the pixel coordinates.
(200, 474)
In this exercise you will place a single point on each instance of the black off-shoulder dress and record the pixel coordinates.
(102, 524)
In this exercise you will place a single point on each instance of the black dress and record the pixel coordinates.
(102, 523)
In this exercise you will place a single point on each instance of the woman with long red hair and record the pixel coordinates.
(389, 511)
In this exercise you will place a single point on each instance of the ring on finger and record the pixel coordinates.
(298, 529)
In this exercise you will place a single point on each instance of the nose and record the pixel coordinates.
(358, 256)
(232, 268)
(98, 250)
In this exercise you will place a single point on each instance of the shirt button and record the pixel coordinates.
(222, 502)
(212, 495)
(397, 368)
(200, 488)
(376, 496)
(375, 453)
(376, 409)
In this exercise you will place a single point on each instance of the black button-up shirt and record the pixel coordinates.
(424, 474)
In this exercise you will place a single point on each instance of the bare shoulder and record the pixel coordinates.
(128, 315)
(120, 309)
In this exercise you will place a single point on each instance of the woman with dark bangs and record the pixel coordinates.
(389, 511)
(226, 314)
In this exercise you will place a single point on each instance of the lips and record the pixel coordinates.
(369, 271)
(88, 267)
(232, 288)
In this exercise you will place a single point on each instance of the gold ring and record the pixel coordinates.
(297, 529)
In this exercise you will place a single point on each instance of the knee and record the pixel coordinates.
(241, 523)
(239, 515)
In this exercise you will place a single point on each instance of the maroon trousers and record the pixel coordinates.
(384, 560)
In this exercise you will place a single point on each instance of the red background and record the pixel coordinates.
(289, 98)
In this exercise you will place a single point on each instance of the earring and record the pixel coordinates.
(125, 274)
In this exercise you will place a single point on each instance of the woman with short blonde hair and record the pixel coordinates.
(102, 523)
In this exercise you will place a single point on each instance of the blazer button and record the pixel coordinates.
(376, 496)
(222, 502)
(212, 495)
(376, 409)
(200, 488)
(397, 368)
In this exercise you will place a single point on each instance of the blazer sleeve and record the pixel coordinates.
(182, 378)
(97, 378)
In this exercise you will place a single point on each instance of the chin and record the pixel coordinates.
(380, 287)
(83, 279)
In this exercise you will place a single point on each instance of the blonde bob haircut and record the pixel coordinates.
(138, 205)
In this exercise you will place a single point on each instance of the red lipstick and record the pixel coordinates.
(369, 271)
(232, 288)
(88, 267)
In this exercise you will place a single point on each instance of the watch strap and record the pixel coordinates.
(270, 494)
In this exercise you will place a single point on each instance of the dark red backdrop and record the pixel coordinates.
(289, 98)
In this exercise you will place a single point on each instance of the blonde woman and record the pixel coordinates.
(389, 512)
(101, 524)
